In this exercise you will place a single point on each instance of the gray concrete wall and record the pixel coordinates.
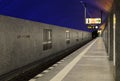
(21, 42)
(117, 11)
(108, 37)
(111, 37)
(115, 47)
(105, 37)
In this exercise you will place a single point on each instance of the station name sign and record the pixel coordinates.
(93, 20)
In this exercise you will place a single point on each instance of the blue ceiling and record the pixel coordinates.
(66, 13)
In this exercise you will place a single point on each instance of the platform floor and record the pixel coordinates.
(89, 63)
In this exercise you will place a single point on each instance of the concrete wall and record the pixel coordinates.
(108, 36)
(114, 54)
(117, 12)
(21, 42)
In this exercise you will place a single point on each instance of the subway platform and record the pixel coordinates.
(89, 63)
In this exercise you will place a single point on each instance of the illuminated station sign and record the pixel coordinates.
(93, 20)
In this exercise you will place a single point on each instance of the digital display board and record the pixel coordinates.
(93, 20)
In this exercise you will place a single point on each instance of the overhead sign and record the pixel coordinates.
(93, 20)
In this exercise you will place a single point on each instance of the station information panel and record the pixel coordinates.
(93, 20)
